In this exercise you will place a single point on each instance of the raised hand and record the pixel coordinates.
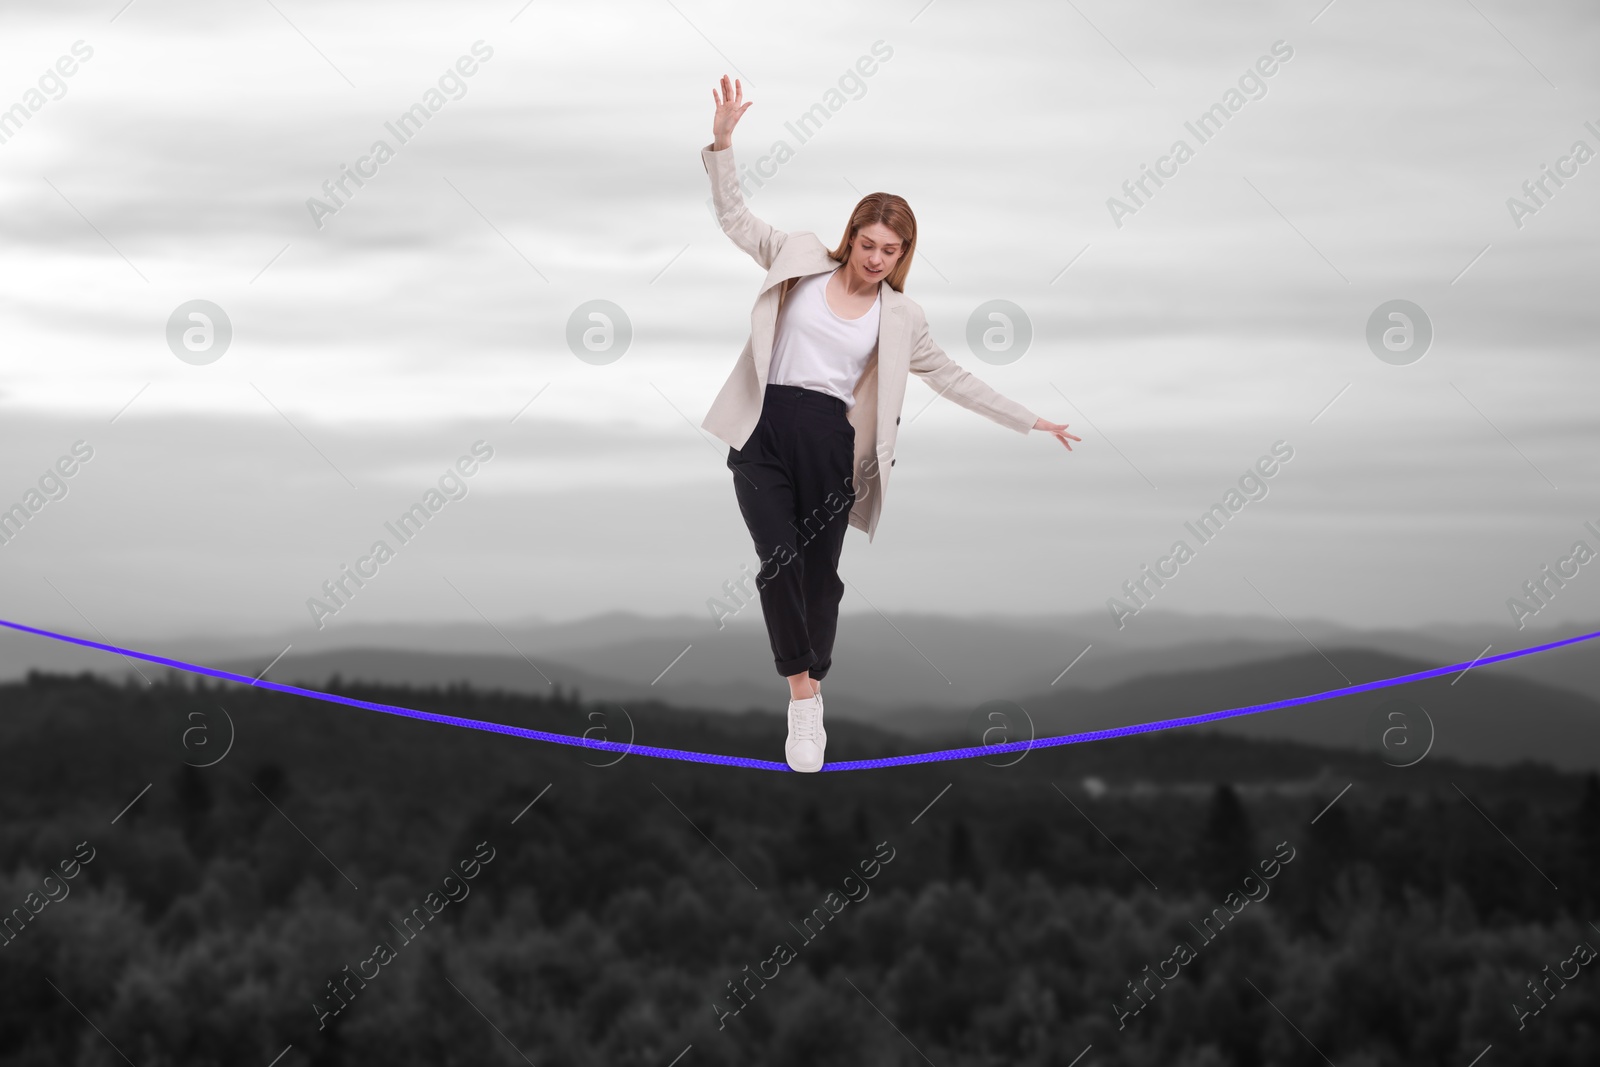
(730, 105)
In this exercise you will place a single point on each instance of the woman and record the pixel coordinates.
(810, 411)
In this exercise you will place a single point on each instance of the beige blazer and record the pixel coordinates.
(903, 344)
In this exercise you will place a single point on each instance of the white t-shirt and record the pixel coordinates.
(816, 349)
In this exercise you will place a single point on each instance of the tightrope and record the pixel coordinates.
(772, 765)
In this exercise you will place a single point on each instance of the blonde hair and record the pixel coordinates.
(894, 213)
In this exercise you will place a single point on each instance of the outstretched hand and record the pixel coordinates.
(1059, 429)
(730, 105)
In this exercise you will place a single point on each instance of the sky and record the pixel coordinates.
(1184, 332)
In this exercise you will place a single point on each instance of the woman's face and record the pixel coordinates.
(874, 254)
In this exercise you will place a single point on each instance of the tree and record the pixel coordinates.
(1587, 830)
(1226, 850)
(961, 861)
(195, 801)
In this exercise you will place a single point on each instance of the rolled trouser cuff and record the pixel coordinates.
(799, 664)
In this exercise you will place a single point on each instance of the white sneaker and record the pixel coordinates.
(807, 738)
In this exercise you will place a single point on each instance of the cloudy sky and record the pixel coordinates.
(1225, 312)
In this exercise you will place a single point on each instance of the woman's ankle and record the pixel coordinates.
(804, 688)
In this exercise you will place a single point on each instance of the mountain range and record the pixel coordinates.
(932, 676)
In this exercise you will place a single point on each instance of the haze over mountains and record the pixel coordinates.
(925, 675)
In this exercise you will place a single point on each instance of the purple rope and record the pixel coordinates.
(772, 765)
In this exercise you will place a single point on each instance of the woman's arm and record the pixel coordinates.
(929, 362)
(754, 236)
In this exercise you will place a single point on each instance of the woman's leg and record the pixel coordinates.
(823, 497)
(802, 686)
(763, 480)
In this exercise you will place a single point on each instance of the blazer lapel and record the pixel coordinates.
(893, 357)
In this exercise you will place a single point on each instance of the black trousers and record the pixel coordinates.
(794, 480)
